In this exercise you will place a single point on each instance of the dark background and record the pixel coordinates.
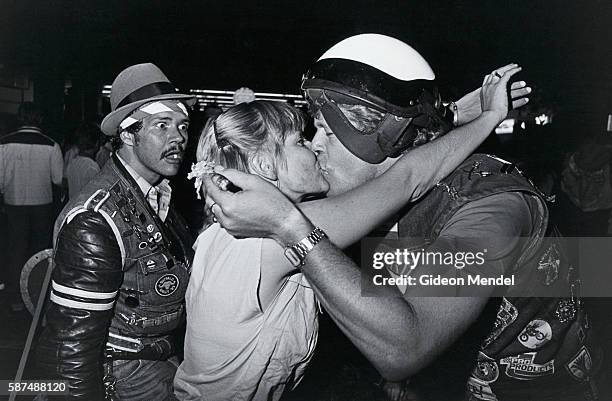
(564, 46)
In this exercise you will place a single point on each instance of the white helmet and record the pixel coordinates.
(385, 74)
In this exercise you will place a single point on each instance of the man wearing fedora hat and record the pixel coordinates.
(123, 254)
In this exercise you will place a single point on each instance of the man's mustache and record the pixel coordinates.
(177, 149)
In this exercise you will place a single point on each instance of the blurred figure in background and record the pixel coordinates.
(83, 166)
(585, 201)
(8, 123)
(30, 164)
(104, 152)
(70, 147)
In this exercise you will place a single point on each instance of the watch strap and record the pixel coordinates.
(297, 252)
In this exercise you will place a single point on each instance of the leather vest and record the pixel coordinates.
(542, 341)
(156, 257)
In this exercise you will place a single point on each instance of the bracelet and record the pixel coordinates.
(455, 111)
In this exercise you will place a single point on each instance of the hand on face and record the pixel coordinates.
(259, 210)
(469, 106)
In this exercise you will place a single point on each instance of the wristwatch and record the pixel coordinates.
(297, 252)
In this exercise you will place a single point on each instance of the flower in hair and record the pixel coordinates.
(198, 170)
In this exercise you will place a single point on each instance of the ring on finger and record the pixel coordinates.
(211, 207)
(214, 218)
(497, 74)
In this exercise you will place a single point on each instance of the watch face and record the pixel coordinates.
(293, 257)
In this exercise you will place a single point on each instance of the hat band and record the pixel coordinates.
(154, 108)
(147, 92)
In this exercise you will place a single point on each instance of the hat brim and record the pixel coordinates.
(113, 119)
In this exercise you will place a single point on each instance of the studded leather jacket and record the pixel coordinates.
(118, 284)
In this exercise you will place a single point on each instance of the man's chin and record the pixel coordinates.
(169, 171)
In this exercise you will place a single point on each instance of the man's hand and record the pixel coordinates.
(493, 96)
(469, 106)
(259, 210)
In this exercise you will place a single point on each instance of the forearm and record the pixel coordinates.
(433, 161)
(378, 326)
(383, 328)
(71, 349)
(413, 175)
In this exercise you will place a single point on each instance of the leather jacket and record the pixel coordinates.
(118, 283)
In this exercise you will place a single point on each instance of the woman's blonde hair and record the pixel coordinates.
(236, 135)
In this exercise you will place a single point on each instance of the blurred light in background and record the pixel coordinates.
(225, 99)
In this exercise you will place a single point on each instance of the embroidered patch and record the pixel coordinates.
(506, 315)
(522, 367)
(549, 264)
(166, 285)
(580, 366)
(486, 369)
(535, 334)
(480, 391)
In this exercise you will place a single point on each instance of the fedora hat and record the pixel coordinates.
(135, 86)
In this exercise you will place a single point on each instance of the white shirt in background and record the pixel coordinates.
(80, 171)
(30, 162)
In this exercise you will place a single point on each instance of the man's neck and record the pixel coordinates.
(385, 165)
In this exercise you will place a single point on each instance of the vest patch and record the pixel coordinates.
(580, 366)
(522, 367)
(166, 285)
(486, 370)
(480, 391)
(549, 264)
(535, 334)
(506, 315)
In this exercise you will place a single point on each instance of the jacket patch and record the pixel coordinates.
(549, 264)
(480, 391)
(535, 334)
(580, 366)
(167, 285)
(486, 370)
(522, 367)
(506, 315)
